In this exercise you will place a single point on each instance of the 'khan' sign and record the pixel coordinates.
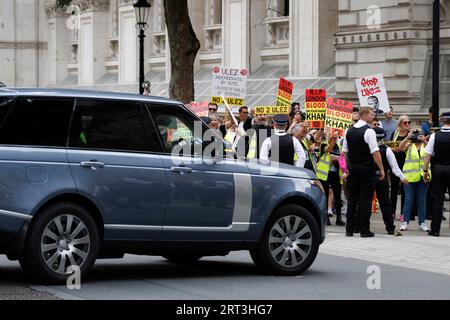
(338, 116)
(316, 106)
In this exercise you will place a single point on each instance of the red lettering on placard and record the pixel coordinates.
(369, 82)
(370, 91)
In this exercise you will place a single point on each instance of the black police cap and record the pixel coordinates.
(281, 119)
(380, 133)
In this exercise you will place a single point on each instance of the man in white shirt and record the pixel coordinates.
(363, 158)
(382, 188)
(438, 148)
(281, 147)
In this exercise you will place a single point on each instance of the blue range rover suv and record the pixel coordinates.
(93, 175)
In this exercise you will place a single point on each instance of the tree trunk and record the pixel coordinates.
(184, 46)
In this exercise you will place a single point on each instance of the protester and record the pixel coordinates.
(212, 108)
(282, 147)
(438, 149)
(376, 123)
(416, 190)
(389, 124)
(328, 174)
(355, 115)
(260, 131)
(214, 122)
(382, 188)
(300, 131)
(363, 155)
(402, 131)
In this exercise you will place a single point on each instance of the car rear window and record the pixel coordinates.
(37, 122)
(5, 107)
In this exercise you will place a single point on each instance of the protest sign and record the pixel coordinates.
(316, 107)
(272, 110)
(338, 116)
(393, 144)
(199, 108)
(372, 92)
(284, 95)
(231, 83)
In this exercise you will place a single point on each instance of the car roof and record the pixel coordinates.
(70, 93)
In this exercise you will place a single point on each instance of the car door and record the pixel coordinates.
(113, 154)
(33, 159)
(206, 200)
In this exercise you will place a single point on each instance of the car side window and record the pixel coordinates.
(174, 127)
(5, 107)
(37, 122)
(112, 125)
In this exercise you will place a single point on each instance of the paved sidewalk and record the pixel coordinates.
(412, 249)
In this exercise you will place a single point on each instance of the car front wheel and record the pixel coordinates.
(289, 243)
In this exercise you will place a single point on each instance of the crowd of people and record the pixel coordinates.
(383, 157)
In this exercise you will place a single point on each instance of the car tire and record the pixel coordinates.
(289, 243)
(63, 235)
(186, 258)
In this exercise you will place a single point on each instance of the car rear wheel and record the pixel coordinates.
(63, 238)
(289, 243)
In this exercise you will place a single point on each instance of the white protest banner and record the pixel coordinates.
(231, 83)
(372, 92)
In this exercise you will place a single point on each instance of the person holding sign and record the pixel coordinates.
(363, 154)
(329, 175)
(282, 147)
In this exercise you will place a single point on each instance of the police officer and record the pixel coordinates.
(281, 147)
(382, 188)
(437, 148)
(363, 158)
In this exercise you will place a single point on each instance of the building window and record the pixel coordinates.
(279, 8)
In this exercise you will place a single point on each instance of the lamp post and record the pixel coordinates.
(435, 76)
(142, 8)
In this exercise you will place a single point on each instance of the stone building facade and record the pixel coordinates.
(315, 43)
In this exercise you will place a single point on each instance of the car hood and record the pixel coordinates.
(280, 170)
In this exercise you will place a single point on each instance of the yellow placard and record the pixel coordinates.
(315, 114)
(272, 110)
(230, 101)
(393, 144)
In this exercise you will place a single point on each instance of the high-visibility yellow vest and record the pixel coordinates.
(252, 148)
(229, 140)
(323, 167)
(413, 167)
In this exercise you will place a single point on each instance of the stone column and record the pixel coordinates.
(58, 43)
(235, 33)
(313, 23)
(304, 45)
(93, 40)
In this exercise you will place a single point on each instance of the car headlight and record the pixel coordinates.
(318, 184)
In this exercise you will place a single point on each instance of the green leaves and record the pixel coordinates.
(62, 3)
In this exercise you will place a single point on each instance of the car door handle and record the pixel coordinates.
(181, 170)
(94, 165)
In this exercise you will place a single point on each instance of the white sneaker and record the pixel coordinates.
(423, 227)
(330, 212)
(404, 226)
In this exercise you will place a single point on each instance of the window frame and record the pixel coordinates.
(34, 98)
(146, 124)
(176, 110)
